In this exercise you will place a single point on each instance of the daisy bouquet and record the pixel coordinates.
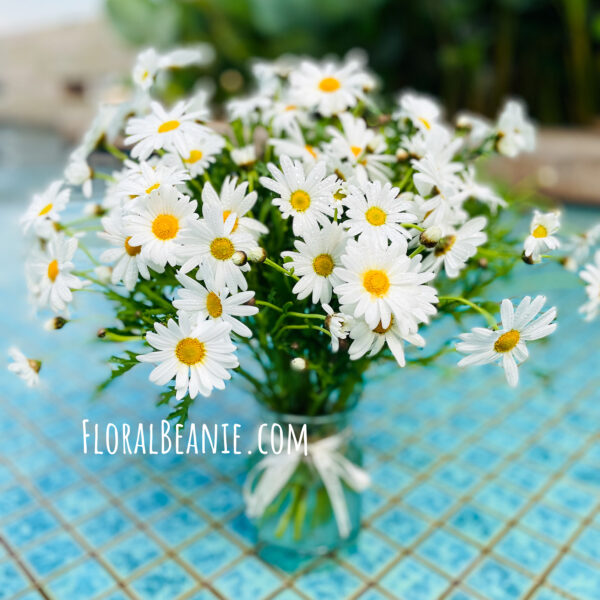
(308, 230)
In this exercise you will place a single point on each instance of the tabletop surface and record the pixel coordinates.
(479, 492)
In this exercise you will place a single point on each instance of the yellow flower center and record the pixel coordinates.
(53, 270)
(300, 200)
(310, 150)
(194, 157)
(165, 227)
(226, 214)
(540, 232)
(45, 210)
(381, 329)
(323, 265)
(152, 188)
(339, 195)
(145, 75)
(425, 122)
(507, 341)
(168, 126)
(131, 250)
(291, 107)
(375, 216)
(329, 84)
(222, 248)
(214, 305)
(356, 150)
(190, 351)
(376, 282)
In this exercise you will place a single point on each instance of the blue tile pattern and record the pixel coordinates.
(479, 492)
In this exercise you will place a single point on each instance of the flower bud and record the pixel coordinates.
(528, 260)
(431, 236)
(36, 365)
(298, 364)
(103, 273)
(101, 332)
(55, 323)
(239, 258)
(402, 155)
(257, 255)
(93, 209)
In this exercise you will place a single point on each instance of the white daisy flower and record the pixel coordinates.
(79, 173)
(248, 109)
(580, 246)
(49, 273)
(339, 325)
(244, 156)
(456, 248)
(360, 146)
(287, 117)
(198, 355)
(44, 210)
(159, 224)
(422, 111)
(295, 146)
(377, 211)
(200, 303)
(541, 238)
(163, 129)
(381, 281)
(591, 275)
(143, 178)
(515, 132)
(329, 88)
(233, 200)
(26, 368)
(201, 152)
(128, 260)
(482, 193)
(477, 128)
(315, 261)
(304, 197)
(437, 171)
(371, 340)
(213, 243)
(507, 345)
(149, 62)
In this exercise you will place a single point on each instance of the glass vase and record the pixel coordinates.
(301, 518)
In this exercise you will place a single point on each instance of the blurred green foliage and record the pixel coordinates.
(470, 53)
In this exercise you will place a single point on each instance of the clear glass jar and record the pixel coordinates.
(300, 518)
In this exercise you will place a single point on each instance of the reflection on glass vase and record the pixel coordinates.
(307, 503)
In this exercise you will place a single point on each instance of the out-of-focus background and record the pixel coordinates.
(479, 492)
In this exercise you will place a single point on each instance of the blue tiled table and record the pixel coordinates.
(478, 492)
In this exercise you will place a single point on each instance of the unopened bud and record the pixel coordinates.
(239, 258)
(402, 154)
(464, 123)
(36, 365)
(257, 255)
(93, 209)
(568, 263)
(483, 263)
(55, 323)
(251, 302)
(431, 236)
(298, 364)
(103, 273)
(528, 260)
(101, 332)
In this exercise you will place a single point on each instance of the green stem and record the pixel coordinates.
(196, 185)
(405, 179)
(315, 327)
(279, 268)
(117, 337)
(104, 176)
(417, 251)
(413, 226)
(268, 305)
(116, 152)
(488, 316)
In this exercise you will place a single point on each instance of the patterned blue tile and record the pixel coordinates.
(167, 581)
(412, 580)
(179, 525)
(577, 578)
(190, 479)
(429, 500)
(500, 499)
(588, 543)
(56, 479)
(415, 458)
(447, 552)
(524, 477)
(105, 526)
(549, 522)
(133, 552)
(219, 500)
(373, 594)
(525, 550)
(586, 474)
(573, 499)
(123, 479)
(30, 527)
(390, 478)
(498, 582)
(460, 595)
(369, 554)
(148, 501)
(249, 579)
(12, 581)
(400, 526)
(85, 581)
(210, 553)
(329, 581)
(546, 594)
(79, 502)
(12, 499)
(481, 457)
(53, 554)
(455, 476)
(475, 523)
